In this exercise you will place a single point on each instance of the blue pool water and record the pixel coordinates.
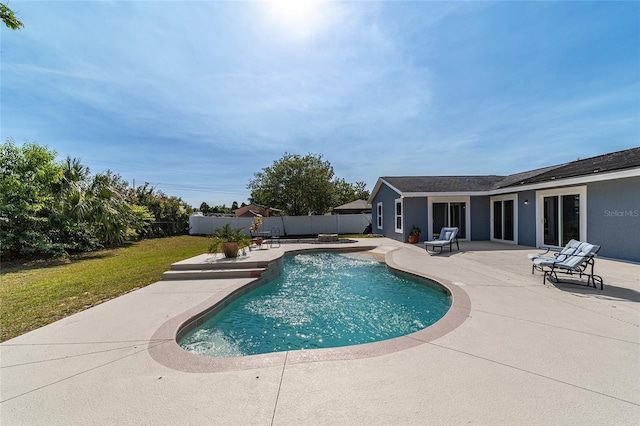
(321, 300)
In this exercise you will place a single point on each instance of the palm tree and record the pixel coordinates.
(72, 189)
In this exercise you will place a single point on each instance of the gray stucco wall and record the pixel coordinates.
(415, 213)
(527, 219)
(613, 217)
(387, 196)
(480, 218)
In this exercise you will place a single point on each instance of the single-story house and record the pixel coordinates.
(252, 210)
(354, 207)
(595, 199)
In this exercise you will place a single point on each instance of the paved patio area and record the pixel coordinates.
(526, 353)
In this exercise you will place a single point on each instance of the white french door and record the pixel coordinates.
(561, 216)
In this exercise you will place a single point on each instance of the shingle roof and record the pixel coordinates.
(442, 183)
(354, 205)
(521, 178)
(614, 161)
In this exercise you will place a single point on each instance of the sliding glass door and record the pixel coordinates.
(504, 219)
(450, 214)
(440, 217)
(563, 217)
(551, 227)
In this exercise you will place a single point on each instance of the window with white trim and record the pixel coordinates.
(398, 215)
(379, 215)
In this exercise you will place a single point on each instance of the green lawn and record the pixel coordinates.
(37, 293)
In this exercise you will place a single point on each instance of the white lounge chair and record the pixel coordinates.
(446, 238)
(551, 254)
(580, 262)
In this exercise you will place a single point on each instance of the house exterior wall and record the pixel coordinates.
(480, 218)
(613, 217)
(415, 214)
(387, 197)
(527, 218)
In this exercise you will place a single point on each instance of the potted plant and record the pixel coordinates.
(229, 241)
(414, 235)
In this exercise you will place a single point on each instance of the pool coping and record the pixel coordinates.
(164, 349)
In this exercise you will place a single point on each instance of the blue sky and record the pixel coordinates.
(195, 97)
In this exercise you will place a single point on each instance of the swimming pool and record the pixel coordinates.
(321, 300)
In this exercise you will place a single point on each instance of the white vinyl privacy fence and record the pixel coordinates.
(288, 225)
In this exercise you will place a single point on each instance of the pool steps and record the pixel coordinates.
(209, 274)
(265, 264)
(208, 270)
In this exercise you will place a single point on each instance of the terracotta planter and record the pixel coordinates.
(413, 239)
(230, 249)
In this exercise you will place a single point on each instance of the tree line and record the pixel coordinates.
(222, 210)
(54, 208)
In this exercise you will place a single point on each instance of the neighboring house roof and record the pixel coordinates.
(254, 210)
(354, 205)
(420, 185)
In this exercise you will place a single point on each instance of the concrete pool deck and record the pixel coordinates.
(526, 353)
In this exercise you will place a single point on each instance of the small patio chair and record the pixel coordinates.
(580, 262)
(275, 237)
(446, 238)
